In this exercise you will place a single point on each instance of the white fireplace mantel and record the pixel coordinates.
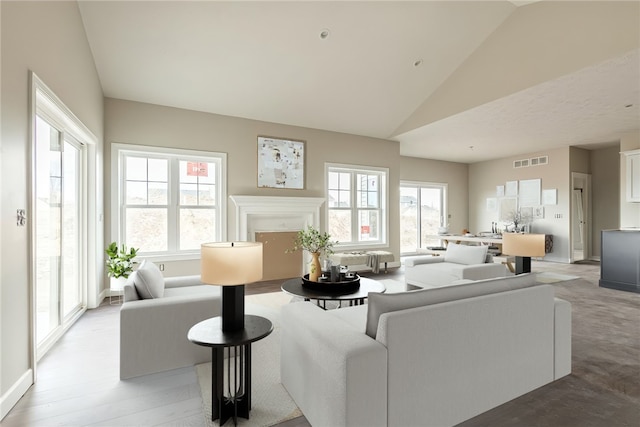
(274, 213)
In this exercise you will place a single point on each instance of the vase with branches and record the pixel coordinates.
(317, 244)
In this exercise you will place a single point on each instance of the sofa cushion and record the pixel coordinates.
(465, 254)
(149, 281)
(380, 303)
(192, 290)
(440, 274)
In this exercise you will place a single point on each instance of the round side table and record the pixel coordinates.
(235, 401)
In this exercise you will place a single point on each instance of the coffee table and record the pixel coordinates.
(294, 287)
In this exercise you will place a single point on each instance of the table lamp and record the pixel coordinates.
(231, 265)
(523, 247)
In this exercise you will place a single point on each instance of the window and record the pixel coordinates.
(169, 201)
(357, 205)
(416, 225)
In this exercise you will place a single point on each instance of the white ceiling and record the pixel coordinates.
(266, 61)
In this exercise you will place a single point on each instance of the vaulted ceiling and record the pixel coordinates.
(449, 80)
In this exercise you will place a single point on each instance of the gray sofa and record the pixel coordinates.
(430, 357)
(459, 262)
(155, 317)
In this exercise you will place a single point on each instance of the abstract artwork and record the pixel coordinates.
(280, 163)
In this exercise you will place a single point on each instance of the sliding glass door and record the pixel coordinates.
(58, 231)
(422, 212)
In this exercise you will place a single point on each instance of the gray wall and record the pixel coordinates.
(485, 176)
(48, 38)
(456, 175)
(605, 190)
(146, 124)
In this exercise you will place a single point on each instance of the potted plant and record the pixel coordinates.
(119, 264)
(317, 244)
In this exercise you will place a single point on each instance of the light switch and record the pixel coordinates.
(21, 218)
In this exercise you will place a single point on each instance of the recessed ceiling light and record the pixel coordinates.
(417, 63)
(324, 33)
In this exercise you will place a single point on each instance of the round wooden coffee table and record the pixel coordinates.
(294, 287)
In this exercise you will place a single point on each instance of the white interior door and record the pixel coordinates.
(580, 216)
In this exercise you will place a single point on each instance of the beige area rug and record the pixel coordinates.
(549, 277)
(271, 404)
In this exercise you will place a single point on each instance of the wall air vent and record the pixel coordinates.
(521, 163)
(534, 161)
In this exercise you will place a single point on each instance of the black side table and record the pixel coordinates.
(236, 402)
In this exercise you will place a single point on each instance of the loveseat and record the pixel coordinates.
(155, 318)
(429, 357)
(459, 262)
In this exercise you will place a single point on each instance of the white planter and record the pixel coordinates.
(117, 284)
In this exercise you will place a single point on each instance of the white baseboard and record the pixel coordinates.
(13, 395)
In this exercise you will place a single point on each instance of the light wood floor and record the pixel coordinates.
(78, 381)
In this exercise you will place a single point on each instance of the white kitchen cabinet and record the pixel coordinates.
(633, 175)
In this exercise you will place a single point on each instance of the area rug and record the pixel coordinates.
(550, 277)
(271, 404)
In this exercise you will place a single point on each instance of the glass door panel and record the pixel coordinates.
(58, 228)
(430, 215)
(71, 220)
(408, 219)
(416, 225)
(47, 213)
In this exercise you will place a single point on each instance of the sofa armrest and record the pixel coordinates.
(153, 333)
(129, 292)
(562, 338)
(336, 374)
(482, 271)
(417, 260)
(182, 281)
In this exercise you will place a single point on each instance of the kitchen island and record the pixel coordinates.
(620, 259)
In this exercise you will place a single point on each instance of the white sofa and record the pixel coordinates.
(155, 318)
(430, 357)
(459, 262)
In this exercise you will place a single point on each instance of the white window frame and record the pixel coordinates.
(383, 242)
(118, 153)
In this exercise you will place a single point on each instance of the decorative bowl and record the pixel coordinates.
(344, 286)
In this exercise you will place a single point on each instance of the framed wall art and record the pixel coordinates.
(280, 163)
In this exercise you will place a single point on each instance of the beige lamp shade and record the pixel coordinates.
(524, 245)
(230, 263)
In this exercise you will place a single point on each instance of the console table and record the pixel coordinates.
(485, 240)
(237, 401)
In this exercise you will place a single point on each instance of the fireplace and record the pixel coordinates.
(270, 219)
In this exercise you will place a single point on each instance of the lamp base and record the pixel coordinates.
(523, 264)
(232, 308)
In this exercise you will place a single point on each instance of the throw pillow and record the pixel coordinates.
(379, 303)
(149, 281)
(465, 254)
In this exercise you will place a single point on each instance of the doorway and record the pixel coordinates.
(58, 231)
(580, 217)
(60, 257)
(423, 209)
